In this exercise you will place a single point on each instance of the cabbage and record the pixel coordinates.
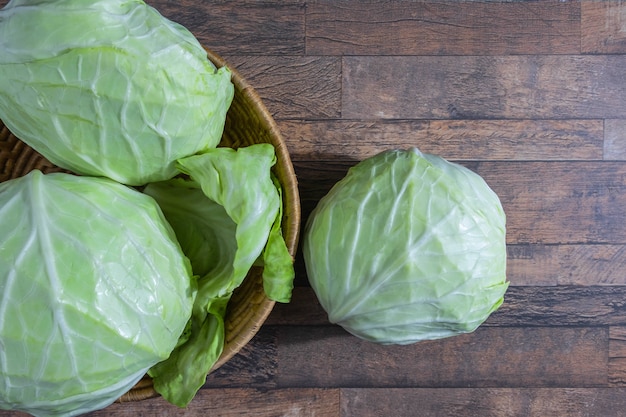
(407, 247)
(226, 215)
(108, 87)
(94, 291)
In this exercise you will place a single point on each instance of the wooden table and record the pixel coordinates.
(532, 96)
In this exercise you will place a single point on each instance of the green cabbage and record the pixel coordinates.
(108, 87)
(407, 247)
(94, 291)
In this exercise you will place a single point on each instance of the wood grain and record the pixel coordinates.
(473, 87)
(268, 27)
(439, 87)
(484, 402)
(307, 87)
(603, 27)
(617, 356)
(615, 139)
(490, 357)
(237, 402)
(583, 264)
(323, 140)
(442, 28)
(254, 366)
(560, 202)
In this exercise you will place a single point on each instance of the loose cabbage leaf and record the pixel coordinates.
(278, 272)
(108, 87)
(407, 247)
(94, 290)
(179, 377)
(226, 216)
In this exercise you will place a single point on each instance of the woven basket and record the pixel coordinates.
(247, 122)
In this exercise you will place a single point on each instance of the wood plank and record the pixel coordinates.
(254, 366)
(304, 309)
(294, 87)
(537, 264)
(489, 357)
(561, 306)
(443, 28)
(524, 306)
(615, 139)
(484, 402)
(603, 27)
(575, 202)
(560, 202)
(315, 179)
(237, 402)
(617, 355)
(452, 139)
(474, 87)
(244, 27)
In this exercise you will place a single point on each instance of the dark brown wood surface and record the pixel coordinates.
(529, 94)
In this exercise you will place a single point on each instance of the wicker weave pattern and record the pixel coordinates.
(247, 122)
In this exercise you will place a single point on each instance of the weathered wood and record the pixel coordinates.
(323, 140)
(253, 366)
(268, 27)
(615, 139)
(490, 357)
(524, 306)
(484, 402)
(316, 178)
(294, 87)
(430, 28)
(473, 87)
(575, 202)
(617, 355)
(530, 264)
(602, 27)
(560, 202)
(238, 402)
(562, 306)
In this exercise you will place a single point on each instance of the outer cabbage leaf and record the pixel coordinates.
(108, 87)
(94, 289)
(225, 217)
(407, 247)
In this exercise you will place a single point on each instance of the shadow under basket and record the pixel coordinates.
(247, 122)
